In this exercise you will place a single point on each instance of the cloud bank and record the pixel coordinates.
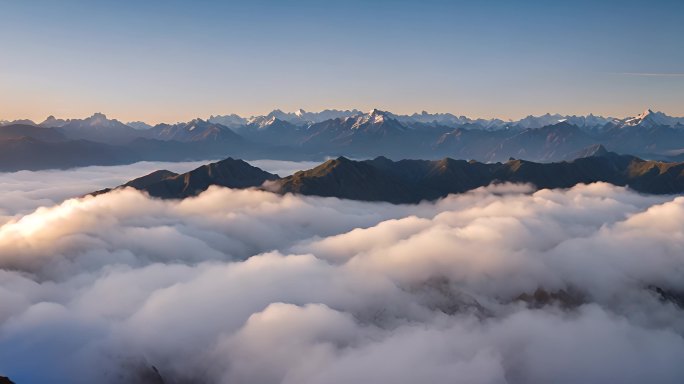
(24, 191)
(499, 285)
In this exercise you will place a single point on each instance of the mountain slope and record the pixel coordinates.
(193, 131)
(16, 131)
(650, 119)
(32, 154)
(372, 134)
(590, 151)
(100, 129)
(651, 135)
(229, 173)
(345, 178)
(411, 181)
(553, 142)
(53, 122)
(272, 131)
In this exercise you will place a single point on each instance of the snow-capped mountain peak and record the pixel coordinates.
(639, 118)
(263, 121)
(649, 119)
(374, 116)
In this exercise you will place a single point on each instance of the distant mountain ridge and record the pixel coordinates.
(304, 118)
(651, 119)
(194, 130)
(313, 136)
(99, 128)
(412, 181)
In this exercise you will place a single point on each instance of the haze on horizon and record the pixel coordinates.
(172, 61)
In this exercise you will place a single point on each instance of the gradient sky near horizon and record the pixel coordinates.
(167, 61)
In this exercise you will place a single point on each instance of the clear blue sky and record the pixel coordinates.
(175, 60)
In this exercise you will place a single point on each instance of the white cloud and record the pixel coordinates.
(24, 191)
(250, 287)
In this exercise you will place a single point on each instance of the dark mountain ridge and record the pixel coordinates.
(231, 173)
(411, 181)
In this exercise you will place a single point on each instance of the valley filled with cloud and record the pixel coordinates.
(498, 285)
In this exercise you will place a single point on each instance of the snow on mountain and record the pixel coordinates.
(424, 117)
(262, 122)
(139, 125)
(539, 121)
(194, 130)
(649, 119)
(375, 116)
(328, 114)
(85, 128)
(230, 121)
(302, 117)
(588, 121)
(451, 120)
(278, 114)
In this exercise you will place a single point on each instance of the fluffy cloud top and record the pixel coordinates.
(244, 286)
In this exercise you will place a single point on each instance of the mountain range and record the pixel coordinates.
(412, 181)
(62, 143)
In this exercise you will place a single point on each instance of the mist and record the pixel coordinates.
(498, 285)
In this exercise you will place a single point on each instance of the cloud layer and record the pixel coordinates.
(249, 287)
(24, 191)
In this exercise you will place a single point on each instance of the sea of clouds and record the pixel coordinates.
(245, 286)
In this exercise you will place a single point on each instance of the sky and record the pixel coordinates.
(168, 61)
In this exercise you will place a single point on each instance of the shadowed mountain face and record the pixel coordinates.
(33, 154)
(592, 150)
(272, 131)
(410, 181)
(100, 129)
(553, 142)
(372, 134)
(229, 173)
(16, 131)
(356, 180)
(193, 131)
